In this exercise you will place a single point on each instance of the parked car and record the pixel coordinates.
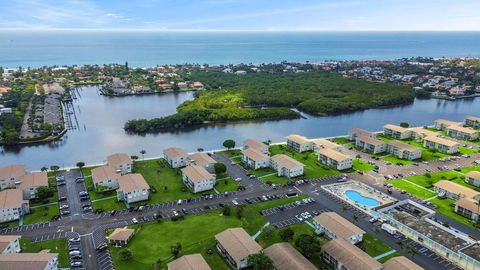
(74, 239)
(135, 221)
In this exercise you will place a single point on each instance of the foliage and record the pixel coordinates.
(176, 249)
(404, 124)
(80, 164)
(308, 245)
(226, 211)
(287, 234)
(44, 192)
(229, 144)
(126, 254)
(260, 261)
(219, 168)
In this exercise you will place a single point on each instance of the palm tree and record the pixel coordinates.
(143, 152)
(344, 208)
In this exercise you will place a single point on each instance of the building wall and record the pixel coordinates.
(110, 184)
(177, 162)
(124, 168)
(8, 182)
(133, 196)
(195, 187)
(307, 146)
(13, 247)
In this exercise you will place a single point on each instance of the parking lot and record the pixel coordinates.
(293, 213)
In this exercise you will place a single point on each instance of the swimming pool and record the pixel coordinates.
(355, 196)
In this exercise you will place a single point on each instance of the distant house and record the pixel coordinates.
(342, 255)
(468, 207)
(335, 159)
(358, 132)
(121, 162)
(43, 260)
(333, 226)
(285, 257)
(396, 132)
(370, 144)
(198, 85)
(254, 144)
(473, 178)
(400, 263)
(12, 205)
(132, 188)
(235, 244)
(454, 191)
(440, 144)
(189, 262)
(255, 159)
(299, 143)
(286, 166)
(418, 133)
(204, 160)
(197, 178)
(106, 177)
(10, 244)
(472, 121)
(403, 150)
(120, 236)
(461, 132)
(326, 144)
(10, 175)
(442, 124)
(30, 182)
(176, 157)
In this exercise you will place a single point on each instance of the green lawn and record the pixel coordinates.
(231, 153)
(55, 246)
(447, 208)
(395, 160)
(372, 246)
(428, 182)
(41, 214)
(361, 165)
(386, 258)
(299, 228)
(412, 189)
(341, 140)
(467, 151)
(226, 185)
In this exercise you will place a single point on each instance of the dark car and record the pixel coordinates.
(62, 198)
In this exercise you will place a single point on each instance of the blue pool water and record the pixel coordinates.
(355, 196)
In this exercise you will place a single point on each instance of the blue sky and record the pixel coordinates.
(276, 15)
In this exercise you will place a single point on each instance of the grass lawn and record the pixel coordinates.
(395, 160)
(231, 153)
(55, 246)
(428, 182)
(41, 213)
(447, 208)
(101, 200)
(372, 246)
(471, 168)
(299, 228)
(467, 151)
(361, 165)
(412, 189)
(226, 185)
(342, 140)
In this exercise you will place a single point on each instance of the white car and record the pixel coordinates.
(238, 179)
(299, 217)
(135, 221)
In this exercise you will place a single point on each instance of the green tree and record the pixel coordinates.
(126, 254)
(134, 157)
(176, 249)
(226, 211)
(287, 234)
(268, 231)
(404, 124)
(44, 169)
(308, 245)
(80, 164)
(143, 152)
(259, 261)
(229, 144)
(241, 211)
(219, 168)
(43, 192)
(54, 168)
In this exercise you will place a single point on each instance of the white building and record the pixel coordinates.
(332, 225)
(370, 144)
(403, 150)
(335, 159)
(132, 188)
(324, 143)
(197, 178)
(235, 244)
(461, 132)
(105, 178)
(472, 121)
(204, 160)
(121, 162)
(255, 159)
(440, 144)
(10, 175)
(473, 178)
(299, 143)
(30, 182)
(396, 132)
(176, 157)
(43, 260)
(12, 205)
(10, 244)
(358, 132)
(443, 124)
(254, 144)
(286, 166)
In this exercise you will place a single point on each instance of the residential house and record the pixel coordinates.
(254, 144)
(198, 85)
(9, 175)
(440, 144)
(324, 143)
(403, 150)
(418, 133)
(189, 262)
(43, 260)
(120, 236)
(10, 244)
(342, 255)
(286, 166)
(197, 178)
(333, 226)
(400, 263)
(255, 159)
(461, 132)
(396, 132)
(132, 188)
(335, 159)
(235, 244)
(203, 160)
(442, 124)
(354, 133)
(121, 162)
(299, 143)
(469, 208)
(285, 257)
(176, 157)
(105, 178)
(472, 121)
(12, 205)
(30, 182)
(473, 178)
(454, 191)
(370, 144)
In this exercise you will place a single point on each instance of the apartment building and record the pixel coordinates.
(204, 160)
(443, 124)
(254, 144)
(473, 178)
(324, 143)
(370, 144)
(354, 133)
(176, 157)
(43, 260)
(333, 226)
(132, 188)
(342, 255)
(396, 132)
(235, 244)
(120, 236)
(197, 178)
(469, 208)
(299, 143)
(286, 166)
(10, 175)
(105, 178)
(335, 159)
(285, 257)
(12, 205)
(440, 144)
(461, 132)
(472, 121)
(400, 263)
(10, 244)
(403, 150)
(454, 191)
(121, 162)
(30, 182)
(418, 133)
(255, 159)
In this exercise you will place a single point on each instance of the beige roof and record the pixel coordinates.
(11, 198)
(370, 140)
(286, 161)
(25, 261)
(349, 255)
(130, 182)
(286, 257)
(5, 240)
(119, 158)
(360, 132)
(403, 146)
(175, 152)
(473, 174)
(104, 172)
(197, 173)
(297, 138)
(473, 118)
(400, 263)
(395, 128)
(12, 171)
(121, 234)
(338, 225)
(238, 243)
(455, 188)
(467, 130)
(446, 122)
(468, 203)
(424, 132)
(254, 154)
(441, 141)
(189, 262)
(202, 159)
(324, 143)
(332, 154)
(254, 144)
(35, 179)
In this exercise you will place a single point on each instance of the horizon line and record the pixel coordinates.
(219, 30)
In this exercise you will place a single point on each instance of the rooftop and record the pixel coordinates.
(370, 140)
(324, 143)
(298, 138)
(395, 128)
(26, 261)
(35, 179)
(175, 152)
(457, 189)
(238, 243)
(197, 173)
(473, 118)
(350, 256)
(11, 198)
(403, 146)
(202, 159)
(285, 257)
(286, 161)
(5, 240)
(12, 171)
(442, 141)
(473, 251)
(338, 225)
(104, 172)
(400, 263)
(131, 182)
(360, 132)
(121, 234)
(254, 144)
(463, 129)
(332, 154)
(119, 158)
(473, 174)
(189, 262)
(446, 122)
(254, 154)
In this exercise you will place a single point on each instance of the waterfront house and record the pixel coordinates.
(469, 208)
(400, 263)
(204, 160)
(358, 132)
(254, 144)
(285, 257)
(440, 144)
(335, 159)
(120, 236)
(255, 159)
(176, 157)
(442, 124)
(342, 255)
(299, 143)
(189, 262)
(12, 205)
(472, 121)
(403, 150)
(44, 260)
(30, 182)
(461, 132)
(198, 85)
(332, 225)
(286, 166)
(454, 191)
(121, 162)
(326, 144)
(10, 244)
(132, 188)
(105, 178)
(396, 132)
(10, 175)
(418, 133)
(235, 244)
(473, 178)
(370, 144)
(197, 178)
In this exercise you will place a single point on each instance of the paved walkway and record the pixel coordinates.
(384, 254)
(260, 231)
(102, 199)
(37, 206)
(267, 175)
(310, 224)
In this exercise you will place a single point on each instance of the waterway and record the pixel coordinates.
(100, 127)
